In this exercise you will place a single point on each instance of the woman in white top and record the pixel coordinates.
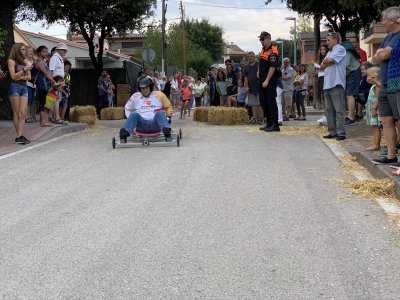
(301, 84)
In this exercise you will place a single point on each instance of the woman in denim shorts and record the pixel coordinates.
(20, 72)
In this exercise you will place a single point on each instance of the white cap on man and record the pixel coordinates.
(62, 46)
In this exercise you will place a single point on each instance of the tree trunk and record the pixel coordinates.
(317, 44)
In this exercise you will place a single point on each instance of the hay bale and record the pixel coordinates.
(112, 113)
(90, 120)
(72, 115)
(83, 114)
(227, 116)
(87, 110)
(201, 114)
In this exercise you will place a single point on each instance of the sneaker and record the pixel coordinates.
(20, 140)
(167, 132)
(384, 152)
(25, 139)
(329, 136)
(340, 137)
(322, 120)
(271, 128)
(349, 122)
(384, 160)
(123, 134)
(252, 121)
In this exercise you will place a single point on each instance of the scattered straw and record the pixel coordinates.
(372, 188)
(113, 113)
(303, 129)
(90, 120)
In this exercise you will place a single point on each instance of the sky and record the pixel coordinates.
(241, 20)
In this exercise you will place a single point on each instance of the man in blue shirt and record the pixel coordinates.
(387, 106)
(102, 91)
(334, 67)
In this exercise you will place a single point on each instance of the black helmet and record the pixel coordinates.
(145, 82)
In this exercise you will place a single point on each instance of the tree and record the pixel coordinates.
(343, 15)
(94, 17)
(206, 35)
(304, 24)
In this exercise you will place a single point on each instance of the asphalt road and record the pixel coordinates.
(231, 214)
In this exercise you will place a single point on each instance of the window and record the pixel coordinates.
(130, 45)
(309, 48)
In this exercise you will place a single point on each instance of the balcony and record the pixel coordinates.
(375, 34)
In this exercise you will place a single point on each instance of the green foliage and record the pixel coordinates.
(343, 15)
(92, 17)
(303, 24)
(2, 39)
(206, 35)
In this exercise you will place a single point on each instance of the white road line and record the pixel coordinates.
(40, 144)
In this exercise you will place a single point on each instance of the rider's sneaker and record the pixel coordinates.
(123, 134)
(167, 132)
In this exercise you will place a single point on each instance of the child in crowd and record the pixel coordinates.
(206, 95)
(186, 92)
(239, 99)
(372, 115)
(51, 99)
(222, 87)
(110, 90)
(64, 101)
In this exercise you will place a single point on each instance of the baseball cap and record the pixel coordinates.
(61, 46)
(264, 35)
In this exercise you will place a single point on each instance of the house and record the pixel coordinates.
(126, 44)
(78, 52)
(306, 45)
(19, 37)
(233, 52)
(372, 38)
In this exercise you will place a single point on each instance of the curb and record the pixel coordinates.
(61, 130)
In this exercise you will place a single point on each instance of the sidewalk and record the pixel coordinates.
(34, 132)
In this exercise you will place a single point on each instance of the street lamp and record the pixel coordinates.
(280, 42)
(294, 42)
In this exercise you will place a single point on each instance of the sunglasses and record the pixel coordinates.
(262, 39)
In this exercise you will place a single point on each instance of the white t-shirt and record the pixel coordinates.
(56, 65)
(145, 106)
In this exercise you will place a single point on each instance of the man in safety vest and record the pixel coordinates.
(268, 74)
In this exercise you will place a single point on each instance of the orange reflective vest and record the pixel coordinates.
(266, 53)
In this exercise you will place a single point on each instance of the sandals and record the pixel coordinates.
(373, 148)
(30, 120)
(46, 125)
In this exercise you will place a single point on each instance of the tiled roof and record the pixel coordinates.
(309, 35)
(78, 45)
(128, 36)
(235, 49)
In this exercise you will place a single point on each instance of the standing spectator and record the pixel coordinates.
(222, 88)
(44, 82)
(279, 91)
(102, 91)
(174, 91)
(372, 115)
(56, 66)
(163, 81)
(231, 80)
(186, 94)
(251, 86)
(18, 90)
(212, 77)
(268, 80)
(287, 82)
(323, 50)
(301, 83)
(355, 41)
(110, 90)
(31, 110)
(65, 91)
(388, 109)
(67, 80)
(334, 67)
(363, 91)
(353, 75)
(198, 90)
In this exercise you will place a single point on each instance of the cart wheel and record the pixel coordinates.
(178, 140)
(113, 142)
(180, 133)
(145, 143)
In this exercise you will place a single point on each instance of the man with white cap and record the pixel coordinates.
(56, 66)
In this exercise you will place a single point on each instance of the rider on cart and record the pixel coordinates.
(147, 111)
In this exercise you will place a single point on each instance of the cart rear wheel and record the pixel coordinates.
(113, 142)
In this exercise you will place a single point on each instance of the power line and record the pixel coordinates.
(234, 7)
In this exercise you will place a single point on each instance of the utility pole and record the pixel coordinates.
(183, 37)
(164, 10)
